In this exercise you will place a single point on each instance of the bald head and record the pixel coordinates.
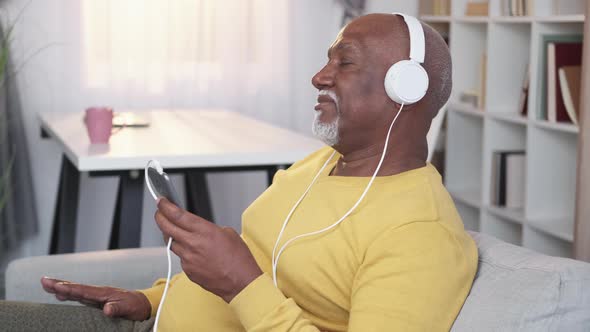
(387, 38)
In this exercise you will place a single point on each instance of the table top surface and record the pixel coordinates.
(180, 139)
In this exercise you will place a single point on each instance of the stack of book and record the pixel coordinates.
(508, 179)
(517, 7)
(441, 7)
(561, 68)
(477, 8)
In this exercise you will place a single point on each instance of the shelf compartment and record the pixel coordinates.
(546, 244)
(510, 117)
(538, 87)
(559, 8)
(500, 136)
(467, 76)
(508, 61)
(501, 228)
(559, 126)
(463, 160)
(469, 197)
(561, 228)
(467, 109)
(515, 215)
(551, 174)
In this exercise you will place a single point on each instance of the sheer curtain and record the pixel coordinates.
(187, 54)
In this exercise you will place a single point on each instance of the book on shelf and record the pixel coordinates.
(568, 7)
(515, 180)
(469, 97)
(508, 178)
(436, 7)
(524, 93)
(570, 82)
(482, 81)
(517, 7)
(543, 73)
(477, 8)
(559, 55)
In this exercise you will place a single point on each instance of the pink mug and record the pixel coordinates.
(99, 122)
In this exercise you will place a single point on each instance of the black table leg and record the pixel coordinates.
(197, 194)
(270, 174)
(126, 231)
(272, 170)
(63, 235)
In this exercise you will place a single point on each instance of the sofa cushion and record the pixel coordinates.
(516, 289)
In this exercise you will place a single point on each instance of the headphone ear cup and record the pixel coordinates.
(406, 82)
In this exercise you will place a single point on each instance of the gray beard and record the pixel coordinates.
(326, 132)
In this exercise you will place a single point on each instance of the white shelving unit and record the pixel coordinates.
(546, 221)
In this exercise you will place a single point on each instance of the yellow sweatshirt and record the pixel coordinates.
(400, 262)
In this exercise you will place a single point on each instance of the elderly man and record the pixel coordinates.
(358, 236)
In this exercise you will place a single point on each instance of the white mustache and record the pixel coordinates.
(330, 94)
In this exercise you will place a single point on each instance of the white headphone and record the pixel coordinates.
(406, 81)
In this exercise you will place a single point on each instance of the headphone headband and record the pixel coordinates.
(417, 43)
(406, 81)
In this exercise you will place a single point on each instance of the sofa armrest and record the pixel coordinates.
(124, 268)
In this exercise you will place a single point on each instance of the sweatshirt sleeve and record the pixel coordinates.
(154, 293)
(261, 307)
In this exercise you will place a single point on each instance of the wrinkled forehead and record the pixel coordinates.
(353, 41)
(385, 40)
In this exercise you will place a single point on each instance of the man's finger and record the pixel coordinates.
(61, 297)
(170, 229)
(181, 217)
(178, 249)
(78, 292)
(111, 309)
(92, 304)
(48, 284)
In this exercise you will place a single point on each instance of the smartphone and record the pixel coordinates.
(159, 184)
(131, 119)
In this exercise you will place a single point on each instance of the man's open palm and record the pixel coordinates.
(115, 302)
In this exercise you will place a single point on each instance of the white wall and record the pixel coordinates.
(48, 84)
(382, 6)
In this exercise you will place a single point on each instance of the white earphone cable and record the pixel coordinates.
(155, 164)
(275, 260)
(274, 270)
(166, 287)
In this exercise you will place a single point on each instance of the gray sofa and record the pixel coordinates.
(515, 289)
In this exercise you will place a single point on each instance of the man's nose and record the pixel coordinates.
(324, 78)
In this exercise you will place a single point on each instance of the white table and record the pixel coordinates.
(192, 142)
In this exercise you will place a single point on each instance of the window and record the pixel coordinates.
(158, 41)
